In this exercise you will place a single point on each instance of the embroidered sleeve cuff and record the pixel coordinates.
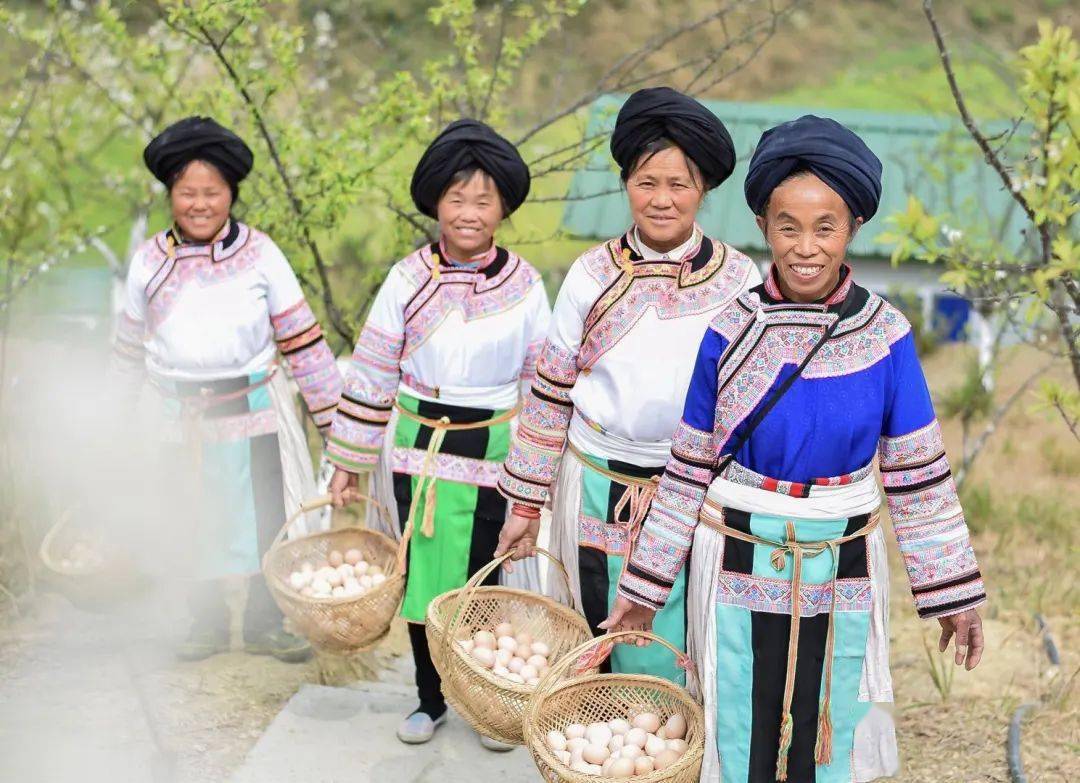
(350, 458)
(951, 597)
(522, 491)
(643, 592)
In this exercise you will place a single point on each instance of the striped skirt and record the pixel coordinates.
(833, 680)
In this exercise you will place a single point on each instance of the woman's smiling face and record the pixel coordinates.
(201, 200)
(808, 228)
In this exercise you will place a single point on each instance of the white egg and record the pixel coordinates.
(649, 721)
(581, 766)
(484, 656)
(605, 770)
(598, 734)
(556, 740)
(504, 629)
(353, 556)
(643, 765)
(338, 591)
(335, 558)
(297, 580)
(360, 568)
(307, 568)
(665, 759)
(537, 661)
(524, 640)
(631, 752)
(500, 671)
(539, 648)
(636, 737)
(575, 730)
(575, 743)
(619, 726)
(377, 579)
(677, 745)
(515, 678)
(320, 586)
(616, 743)
(675, 728)
(507, 643)
(352, 583)
(595, 754)
(345, 570)
(622, 768)
(503, 658)
(334, 578)
(484, 639)
(515, 665)
(563, 756)
(654, 745)
(528, 672)
(365, 582)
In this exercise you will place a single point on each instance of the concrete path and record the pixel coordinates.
(346, 735)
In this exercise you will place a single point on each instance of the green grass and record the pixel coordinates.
(909, 80)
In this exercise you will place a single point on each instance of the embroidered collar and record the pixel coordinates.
(490, 274)
(476, 263)
(700, 259)
(637, 244)
(231, 238)
(772, 294)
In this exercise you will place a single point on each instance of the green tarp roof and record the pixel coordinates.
(928, 156)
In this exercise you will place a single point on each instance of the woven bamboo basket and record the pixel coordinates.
(99, 589)
(342, 624)
(492, 705)
(572, 693)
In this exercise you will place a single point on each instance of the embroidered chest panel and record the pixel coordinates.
(473, 293)
(201, 265)
(673, 289)
(763, 338)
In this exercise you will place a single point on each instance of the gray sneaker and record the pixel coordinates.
(494, 744)
(419, 727)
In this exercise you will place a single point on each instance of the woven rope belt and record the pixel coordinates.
(637, 496)
(798, 551)
(425, 481)
(193, 408)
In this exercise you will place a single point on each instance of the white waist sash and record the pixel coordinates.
(838, 502)
(608, 445)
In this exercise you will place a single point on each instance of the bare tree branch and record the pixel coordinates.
(617, 75)
(585, 197)
(991, 158)
(971, 453)
(343, 329)
(498, 61)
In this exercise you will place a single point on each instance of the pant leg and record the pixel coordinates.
(428, 682)
(261, 613)
(206, 601)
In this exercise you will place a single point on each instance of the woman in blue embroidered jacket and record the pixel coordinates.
(788, 604)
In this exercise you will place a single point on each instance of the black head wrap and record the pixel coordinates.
(823, 147)
(461, 145)
(661, 112)
(198, 138)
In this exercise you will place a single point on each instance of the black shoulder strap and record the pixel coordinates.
(781, 390)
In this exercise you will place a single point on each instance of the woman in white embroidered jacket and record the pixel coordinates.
(798, 385)
(451, 340)
(210, 305)
(618, 358)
